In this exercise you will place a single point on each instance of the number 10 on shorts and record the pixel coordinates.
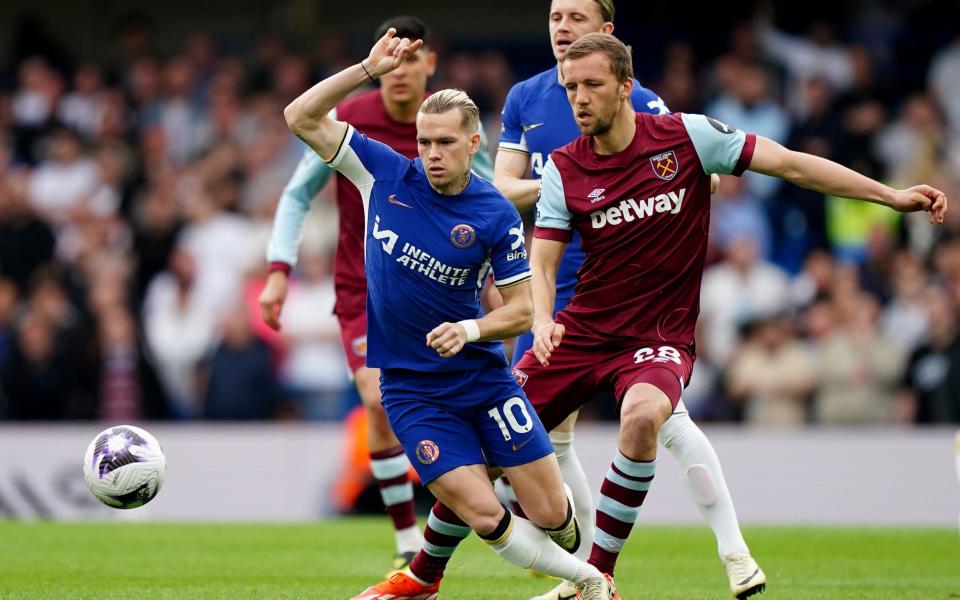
(510, 413)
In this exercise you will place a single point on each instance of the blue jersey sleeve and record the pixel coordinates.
(508, 253)
(307, 180)
(511, 131)
(646, 101)
(721, 148)
(364, 161)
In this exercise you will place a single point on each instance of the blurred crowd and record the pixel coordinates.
(136, 200)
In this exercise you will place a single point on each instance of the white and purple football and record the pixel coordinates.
(124, 467)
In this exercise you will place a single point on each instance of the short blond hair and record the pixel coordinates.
(446, 100)
(606, 10)
(621, 61)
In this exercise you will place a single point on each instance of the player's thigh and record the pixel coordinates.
(435, 439)
(367, 381)
(559, 390)
(662, 366)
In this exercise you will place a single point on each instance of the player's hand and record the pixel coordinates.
(389, 53)
(447, 339)
(546, 337)
(922, 197)
(272, 297)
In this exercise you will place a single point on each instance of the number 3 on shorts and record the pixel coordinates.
(511, 416)
(663, 354)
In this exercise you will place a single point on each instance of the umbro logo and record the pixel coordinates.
(531, 127)
(392, 199)
(596, 195)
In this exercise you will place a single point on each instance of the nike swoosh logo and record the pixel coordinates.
(527, 128)
(392, 199)
(522, 444)
(745, 581)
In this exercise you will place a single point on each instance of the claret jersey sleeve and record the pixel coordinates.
(721, 148)
(554, 220)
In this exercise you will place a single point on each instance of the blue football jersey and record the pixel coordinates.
(538, 119)
(427, 256)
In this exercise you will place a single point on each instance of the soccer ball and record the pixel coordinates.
(124, 467)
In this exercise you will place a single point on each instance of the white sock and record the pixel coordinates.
(574, 477)
(528, 547)
(408, 540)
(703, 476)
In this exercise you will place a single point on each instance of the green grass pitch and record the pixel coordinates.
(334, 560)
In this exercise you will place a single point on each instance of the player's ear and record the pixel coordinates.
(431, 62)
(474, 144)
(607, 28)
(627, 87)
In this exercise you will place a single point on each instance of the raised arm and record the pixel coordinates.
(308, 115)
(822, 175)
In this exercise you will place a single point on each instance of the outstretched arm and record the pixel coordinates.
(307, 116)
(822, 175)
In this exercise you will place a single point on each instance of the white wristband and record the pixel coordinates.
(473, 330)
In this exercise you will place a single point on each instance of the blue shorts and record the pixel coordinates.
(448, 420)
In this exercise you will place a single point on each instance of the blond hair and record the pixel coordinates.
(606, 10)
(447, 100)
(621, 62)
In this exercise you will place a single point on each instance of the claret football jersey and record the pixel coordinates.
(643, 215)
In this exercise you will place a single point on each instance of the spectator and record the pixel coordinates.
(65, 183)
(773, 375)
(735, 291)
(26, 242)
(858, 368)
(931, 385)
(83, 108)
(749, 106)
(241, 385)
(179, 332)
(314, 366)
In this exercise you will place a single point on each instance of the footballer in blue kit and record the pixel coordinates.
(434, 232)
(427, 256)
(536, 121)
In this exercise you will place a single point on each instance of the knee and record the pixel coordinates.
(641, 421)
(480, 517)
(551, 513)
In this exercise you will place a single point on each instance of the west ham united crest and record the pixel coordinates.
(665, 165)
(427, 452)
(359, 345)
(463, 236)
(521, 377)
